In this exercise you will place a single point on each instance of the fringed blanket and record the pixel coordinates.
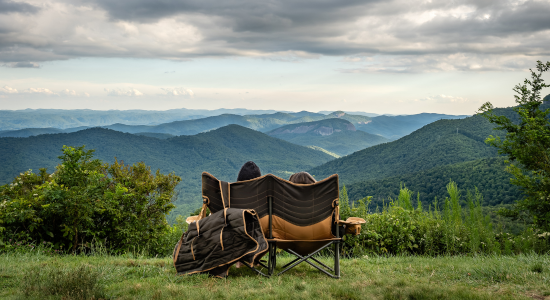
(212, 244)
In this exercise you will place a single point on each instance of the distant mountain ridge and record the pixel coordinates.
(63, 119)
(180, 123)
(334, 135)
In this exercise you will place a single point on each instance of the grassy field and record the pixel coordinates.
(39, 276)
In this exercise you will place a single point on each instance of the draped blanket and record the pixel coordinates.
(212, 244)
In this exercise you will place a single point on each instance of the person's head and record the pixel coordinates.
(249, 171)
(302, 178)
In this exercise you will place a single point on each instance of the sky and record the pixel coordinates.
(377, 56)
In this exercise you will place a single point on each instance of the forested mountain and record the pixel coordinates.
(487, 174)
(220, 152)
(29, 132)
(26, 132)
(156, 135)
(440, 143)
(338, 136)
(394, 127)
(61, 118)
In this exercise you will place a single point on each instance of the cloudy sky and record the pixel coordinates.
(379, 56)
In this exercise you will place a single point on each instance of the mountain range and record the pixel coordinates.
(390, 127)
(220, 152)
(449, 148)
(63, 119)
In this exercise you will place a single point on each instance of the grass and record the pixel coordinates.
(38, 276)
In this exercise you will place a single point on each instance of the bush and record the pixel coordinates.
(87, 202)
(401, 228)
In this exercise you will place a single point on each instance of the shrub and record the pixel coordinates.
(86, 201)
(401, 228)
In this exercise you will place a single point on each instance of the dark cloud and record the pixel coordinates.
(247, 14)
(404, 32)
(17, 7)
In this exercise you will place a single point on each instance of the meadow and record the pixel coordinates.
(39, 274)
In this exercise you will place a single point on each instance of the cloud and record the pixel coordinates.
(6, 90)
(443, 99)
(17, 7)
(67, 92)
(124, 92)
(41, 91)
(396, 34)
(22, 65)
(181, 92)
(461, 62)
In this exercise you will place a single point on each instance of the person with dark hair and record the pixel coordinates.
(249, 171)
(302, 178)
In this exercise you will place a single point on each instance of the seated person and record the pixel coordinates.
(249, 171)
(302, 178)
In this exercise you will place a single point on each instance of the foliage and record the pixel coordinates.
(527, 144)
(403, 227)
(487, 174)
(85, 201)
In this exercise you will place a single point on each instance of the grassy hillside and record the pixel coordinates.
(394, 127)
(487, 174)
(220, 152)
(334, 135)
(434, 145)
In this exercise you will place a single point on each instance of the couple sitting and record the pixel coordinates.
(250, 171)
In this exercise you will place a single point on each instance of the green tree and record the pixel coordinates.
(85, 200)
(527, 145)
